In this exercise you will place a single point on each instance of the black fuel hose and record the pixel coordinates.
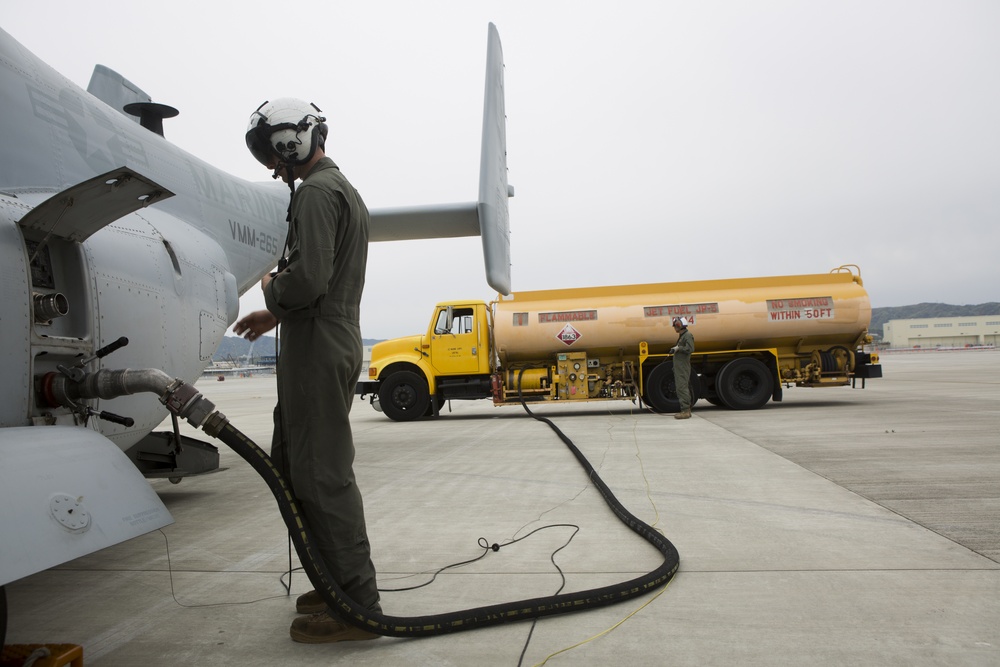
(478, 617)
(182, 400)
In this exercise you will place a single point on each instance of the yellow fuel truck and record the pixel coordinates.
(753, 337)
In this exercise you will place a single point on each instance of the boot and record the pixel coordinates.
(322, 628)
(683, 414)
(310, 603)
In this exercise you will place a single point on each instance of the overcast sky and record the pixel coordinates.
(649, 141)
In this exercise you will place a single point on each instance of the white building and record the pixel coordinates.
(934, 332)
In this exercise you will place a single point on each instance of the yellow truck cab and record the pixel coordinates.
(411, 377)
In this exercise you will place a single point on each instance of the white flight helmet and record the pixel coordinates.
(289, 129)
(680, 322)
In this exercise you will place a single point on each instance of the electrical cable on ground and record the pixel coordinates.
(562, 585)
(173, 594)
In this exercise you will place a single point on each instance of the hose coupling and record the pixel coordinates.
(185, 401)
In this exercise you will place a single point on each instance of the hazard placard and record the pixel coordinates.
(569, 335)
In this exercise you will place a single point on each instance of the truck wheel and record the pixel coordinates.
(404, 396)
(661, 390)
(744, 384)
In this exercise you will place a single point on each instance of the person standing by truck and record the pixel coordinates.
(316, 296)
(682, 366)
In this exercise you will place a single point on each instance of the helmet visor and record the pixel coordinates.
(259, 143)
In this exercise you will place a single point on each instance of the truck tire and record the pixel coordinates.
(404, 396)
(661, 392)
(744, 384)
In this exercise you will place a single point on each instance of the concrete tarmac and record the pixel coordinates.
(840, 527)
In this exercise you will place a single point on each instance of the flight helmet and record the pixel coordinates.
(680, 322)
(289, 129)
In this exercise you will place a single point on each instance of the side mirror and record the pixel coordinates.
(449, 321)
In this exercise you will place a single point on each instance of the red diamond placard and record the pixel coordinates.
(569, 335)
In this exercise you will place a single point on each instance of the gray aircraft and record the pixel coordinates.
(119, 250)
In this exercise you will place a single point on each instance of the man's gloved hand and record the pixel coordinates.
(673, 350)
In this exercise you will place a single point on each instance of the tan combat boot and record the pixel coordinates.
(322, 628)
(684, 414)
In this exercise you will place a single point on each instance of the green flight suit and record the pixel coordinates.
(317, 299)
(682, 368)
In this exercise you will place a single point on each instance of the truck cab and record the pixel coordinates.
(412, 377)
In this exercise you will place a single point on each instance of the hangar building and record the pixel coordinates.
(977, 330)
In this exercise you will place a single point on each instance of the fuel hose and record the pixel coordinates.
(469, 619)
(184, 401)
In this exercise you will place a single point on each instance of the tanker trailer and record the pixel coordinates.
(753, 337)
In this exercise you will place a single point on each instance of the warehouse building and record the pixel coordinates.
(929, 333)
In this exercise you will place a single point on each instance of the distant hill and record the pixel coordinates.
(234, 348)
(882, 315)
